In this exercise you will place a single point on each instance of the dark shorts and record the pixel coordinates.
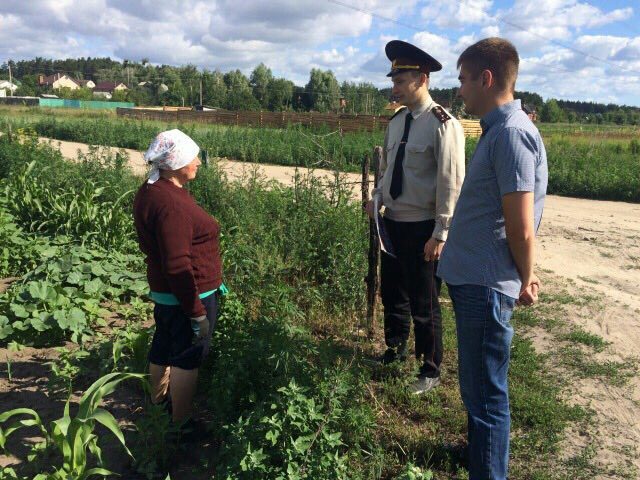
(172, 343)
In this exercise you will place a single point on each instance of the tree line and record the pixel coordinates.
(187, 85)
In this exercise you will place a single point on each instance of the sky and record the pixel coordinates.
(585, 50)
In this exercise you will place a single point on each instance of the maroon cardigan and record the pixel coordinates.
(181, 242)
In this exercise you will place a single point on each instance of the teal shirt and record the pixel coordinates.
(170, 299)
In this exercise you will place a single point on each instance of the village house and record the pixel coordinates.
(7, 88)
(58, 80)
(106, 89)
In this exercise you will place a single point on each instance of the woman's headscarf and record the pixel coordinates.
(170, 150)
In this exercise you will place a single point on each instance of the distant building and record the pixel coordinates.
(393, 106)
(106, 89)
(86, 84)
(58, 80)
(7, 88)
(530, 111)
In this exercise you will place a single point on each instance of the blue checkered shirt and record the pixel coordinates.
(510, 157)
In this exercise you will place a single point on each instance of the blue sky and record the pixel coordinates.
(571, 49)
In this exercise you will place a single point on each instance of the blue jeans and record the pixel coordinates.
(484, 340)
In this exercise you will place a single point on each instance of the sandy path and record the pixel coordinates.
(585, 247)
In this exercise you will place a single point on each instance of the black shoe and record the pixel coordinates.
(403, 351)
(386, 359)
(389, 357)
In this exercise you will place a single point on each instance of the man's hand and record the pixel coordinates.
(529, 291)
(433, 249)
(369, 209)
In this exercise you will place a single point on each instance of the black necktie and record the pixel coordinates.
(396, 179)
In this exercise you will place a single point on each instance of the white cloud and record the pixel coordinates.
(490, 31)
(292, 36)
(531, 24)
(457, 13)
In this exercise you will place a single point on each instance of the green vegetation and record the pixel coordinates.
(583, 162)
(70, 440)
(168, 85)
(285, 381)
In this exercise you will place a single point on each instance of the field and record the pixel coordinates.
(286, 393)
(584, 162)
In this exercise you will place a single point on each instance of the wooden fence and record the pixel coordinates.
(343, 122)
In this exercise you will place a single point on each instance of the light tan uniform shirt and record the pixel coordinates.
(433, 168)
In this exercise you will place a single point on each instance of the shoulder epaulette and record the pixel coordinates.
(441, 114)
(400, 110)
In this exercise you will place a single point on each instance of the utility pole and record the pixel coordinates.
(10, 79)
(201, 90)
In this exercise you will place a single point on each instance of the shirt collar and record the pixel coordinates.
(499, 114)
(423, 107)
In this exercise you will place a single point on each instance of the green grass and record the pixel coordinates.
(596, 342)
(286, 360)
(598, 162)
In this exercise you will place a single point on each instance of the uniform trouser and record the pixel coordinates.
(410, 288)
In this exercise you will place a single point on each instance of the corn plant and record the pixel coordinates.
(74, 438)
(84, 213)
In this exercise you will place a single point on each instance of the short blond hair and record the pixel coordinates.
(495, 54)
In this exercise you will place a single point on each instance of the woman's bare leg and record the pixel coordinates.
(159, 382)
(183, 388)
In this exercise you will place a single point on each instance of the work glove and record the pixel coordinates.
(200, 327)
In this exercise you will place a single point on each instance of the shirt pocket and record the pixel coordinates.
(416, 156)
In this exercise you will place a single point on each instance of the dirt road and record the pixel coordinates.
(586, 247)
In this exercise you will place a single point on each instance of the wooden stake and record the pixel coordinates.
(374, 248)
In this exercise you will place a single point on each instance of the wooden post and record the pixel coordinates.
(374, 247)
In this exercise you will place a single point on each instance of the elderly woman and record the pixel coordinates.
(181, 244)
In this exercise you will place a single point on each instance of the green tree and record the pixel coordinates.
(551, 112)
(239, 94)
(214, 90)
(28, 87)
(259, 81)
(323, 90)
(279, 94)
(619, 117)
(76, 94)
(120, 96)
(141, 96)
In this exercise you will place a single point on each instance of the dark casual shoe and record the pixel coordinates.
(388, 358)
(403, 351)
(424, 385)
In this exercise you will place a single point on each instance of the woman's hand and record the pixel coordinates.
(200, 327)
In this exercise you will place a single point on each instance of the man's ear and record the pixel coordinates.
(424, 79)
(487, 79)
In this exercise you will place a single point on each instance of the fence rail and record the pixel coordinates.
(344, 122)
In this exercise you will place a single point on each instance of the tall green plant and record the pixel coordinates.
(73, 438)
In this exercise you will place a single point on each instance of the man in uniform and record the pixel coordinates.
(421, 174)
